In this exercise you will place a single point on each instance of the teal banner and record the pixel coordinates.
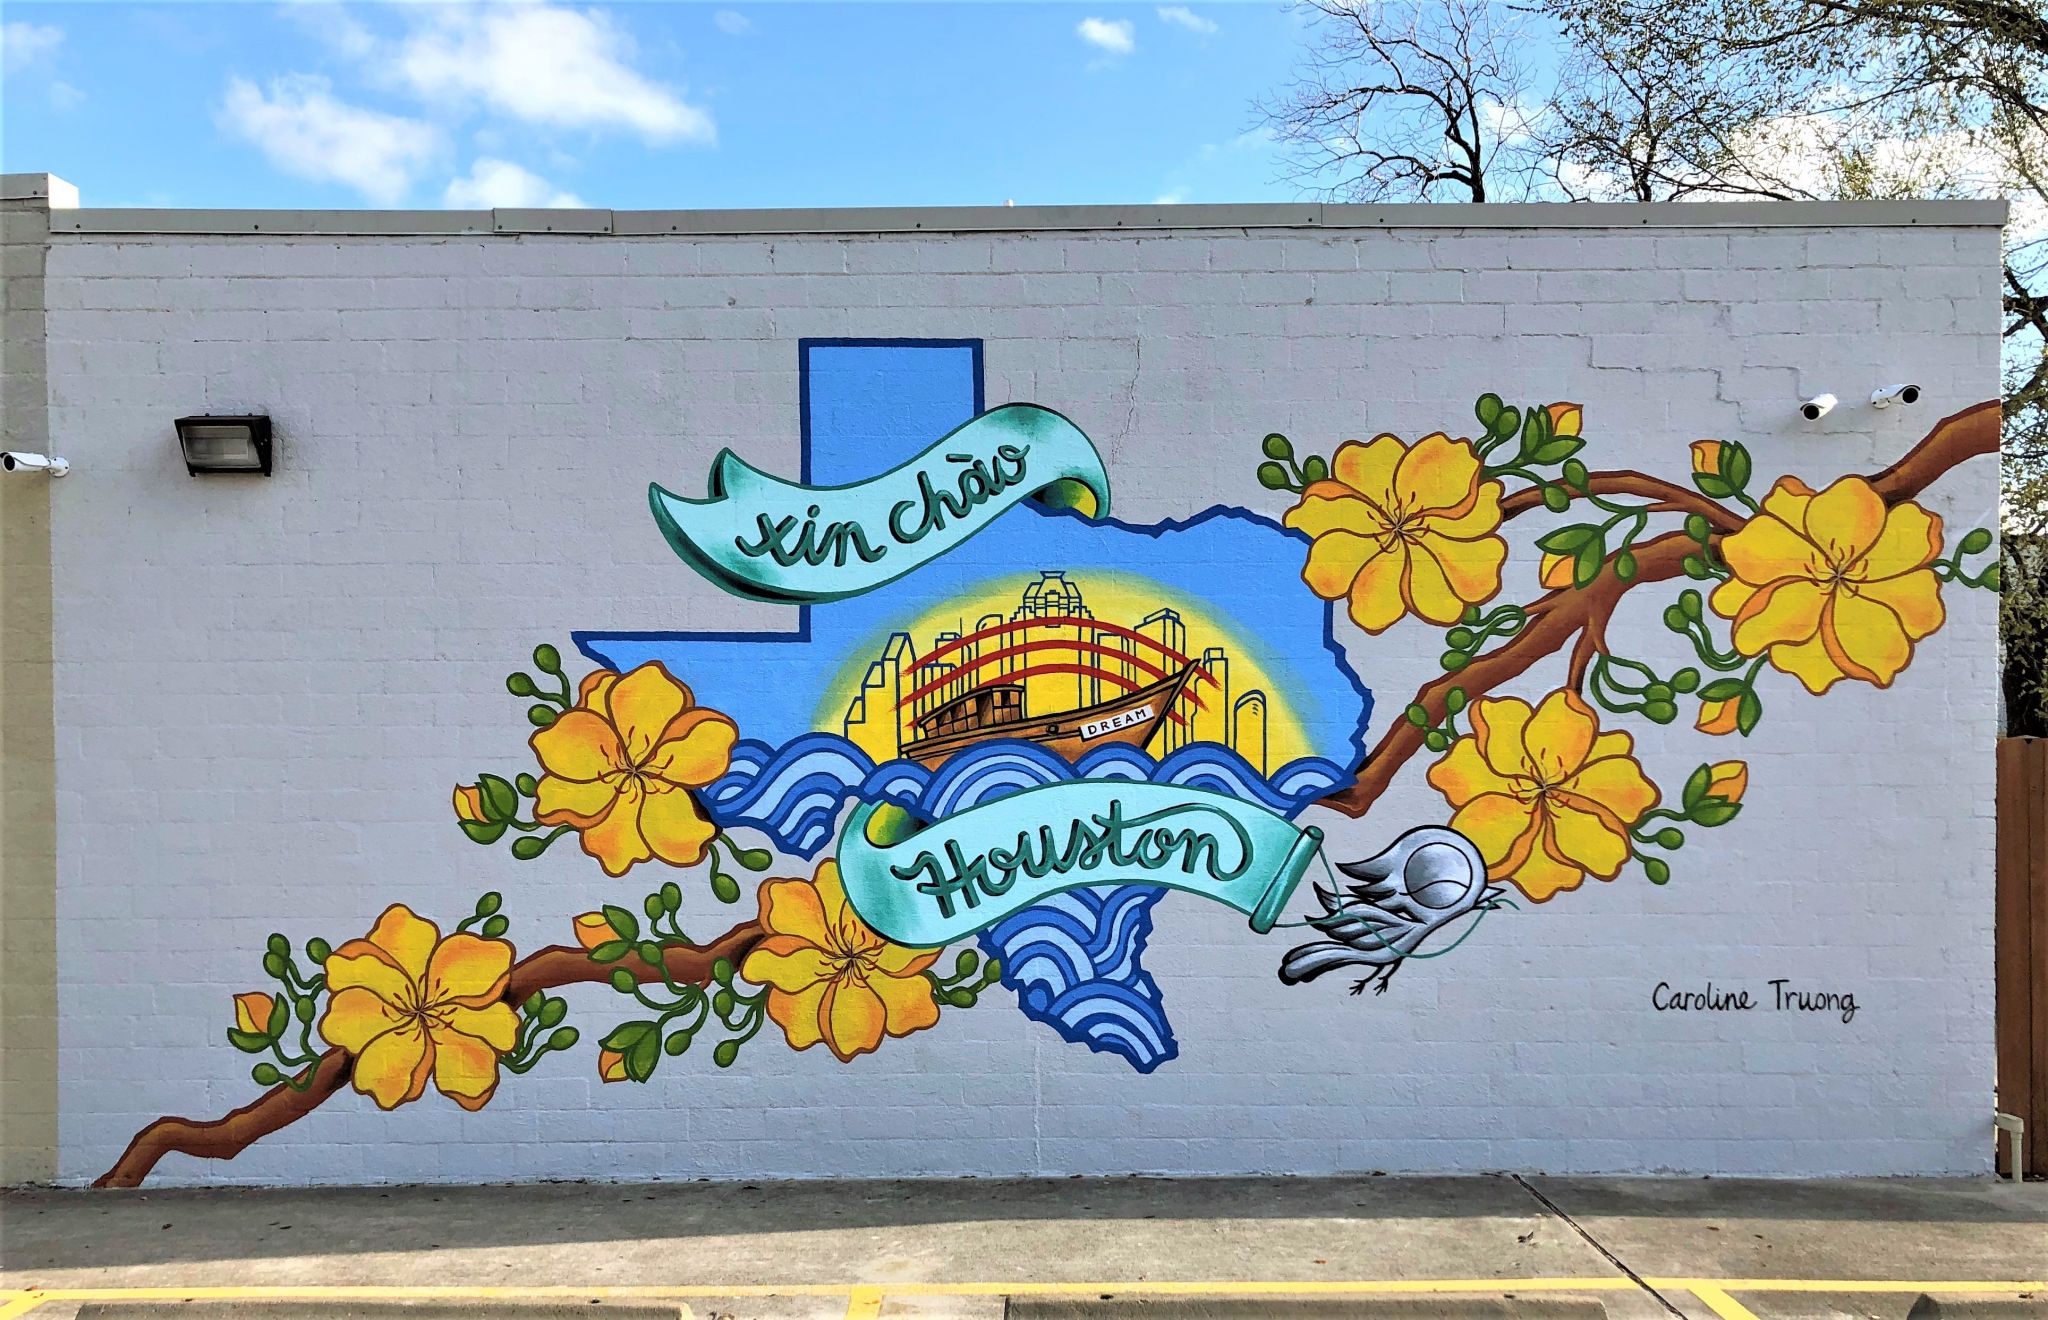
(763, 538)
(928, 887)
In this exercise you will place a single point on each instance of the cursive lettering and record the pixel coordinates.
(1104, 841)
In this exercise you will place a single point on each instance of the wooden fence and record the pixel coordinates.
(2022, 943)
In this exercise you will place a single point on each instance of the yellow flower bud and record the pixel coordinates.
(611, 1065)
(1727, 780)
(1565, 418)
(1556, 571)
(1717, 716)
(253, 1010)
(592, 930)
(469, 803)
(1706, 457)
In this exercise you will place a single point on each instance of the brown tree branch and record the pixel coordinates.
(557, 965)
(1557, 617)
(1667, 497)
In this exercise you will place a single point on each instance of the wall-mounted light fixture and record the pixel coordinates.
(1890, 394)
(225, 444)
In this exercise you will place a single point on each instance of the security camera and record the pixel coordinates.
(17, 460)
(1817, 407)
(1891, 394)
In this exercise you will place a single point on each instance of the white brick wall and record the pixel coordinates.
(265, 689)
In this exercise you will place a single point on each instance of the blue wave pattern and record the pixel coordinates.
(795, 792)
(1073, 959)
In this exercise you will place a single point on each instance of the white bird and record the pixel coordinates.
(1428, 878)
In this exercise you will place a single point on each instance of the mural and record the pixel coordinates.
(1006, 726)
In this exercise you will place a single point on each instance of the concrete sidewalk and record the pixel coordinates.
(1629, 1247)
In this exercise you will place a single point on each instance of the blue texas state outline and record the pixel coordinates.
(866, 405)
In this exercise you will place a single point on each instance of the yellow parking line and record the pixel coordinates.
(1855, 1285)
(1723, 1305)
(19, 1304)
(864, 1304)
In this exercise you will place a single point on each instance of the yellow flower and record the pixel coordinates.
(1546, 796)
(1834, 585)
(830, 977)
(1706, 457)
(592, 930)
(621, 763)
(409, 1005)
(1718, 716)
(1556, 572)
(1728, 780)
(252, 1012)
(1403, 531)
(1566, 419)
(611, 1065)
(469, 804)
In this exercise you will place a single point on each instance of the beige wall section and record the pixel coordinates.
(28, 770)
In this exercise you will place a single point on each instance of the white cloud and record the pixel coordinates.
(732, 23)
(1174, 198)
(1182, 16)
(1116, 36)
(545, 65)
(493, 182)
(305, 131)
(22, 44)
(63, 96)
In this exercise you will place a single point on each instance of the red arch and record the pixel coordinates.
(1063, 621)
(1022, 648)
(1127, 684)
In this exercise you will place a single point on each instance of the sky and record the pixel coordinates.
(644, 105)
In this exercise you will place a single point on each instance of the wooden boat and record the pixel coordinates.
(996, 710)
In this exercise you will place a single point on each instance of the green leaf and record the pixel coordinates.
(1735, 466)
(756, 859)
(1273, 477)
(1977, 541)
(1723, 689)
(547, 658)
(1714, 811)
(1418, 715)
(317, 949)
(1487, 410)
(280, 1017)
(483, 831)
(531, 846)
(1698, 528)
(1567, 540)
(1556, 498)
(623, 923)
(521, 685)
(489, 902)
(1748, 711)
(1586, 563)
(650, 952)
(493, 927)
(1558, 450)
(527, 785)
(563, 1038)
(1993, 579)
(1277, 445)
(1625, 565)
(626, 1035)
(1696, 787)
(1575, 473)
(265, 1074)
(540, 715)
(248, 1042)
(651, 905)
(303, 1009)
(726, 1053)
(501, 800)
(552, 1011)
(642, 1055)
(1657, 869)
(1315, 468)
(724, 888)
(610, 951)
(534, 1003)
(1509, 422)
(1712, 485)
(678, 1042)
